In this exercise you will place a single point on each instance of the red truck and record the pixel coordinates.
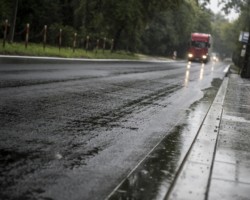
(199, 49)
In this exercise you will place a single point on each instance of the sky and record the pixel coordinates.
(216, 9)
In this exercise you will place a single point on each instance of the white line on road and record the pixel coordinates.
(226, 69)
(81, 59)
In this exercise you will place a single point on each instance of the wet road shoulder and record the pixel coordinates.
(166, 170)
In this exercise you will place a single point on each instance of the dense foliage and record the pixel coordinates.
(233, 30)
(153, 27)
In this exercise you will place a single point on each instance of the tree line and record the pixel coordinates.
(156, 27)
(242, 24)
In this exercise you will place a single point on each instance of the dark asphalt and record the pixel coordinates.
(76, 130)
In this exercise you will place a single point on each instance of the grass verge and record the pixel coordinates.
(52, 51)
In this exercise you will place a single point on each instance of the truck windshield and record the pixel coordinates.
(199, 44)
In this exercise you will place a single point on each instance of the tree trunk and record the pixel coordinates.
(117, 38)
(13, 21)
(245, 73)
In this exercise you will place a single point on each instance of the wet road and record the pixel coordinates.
(75, 130)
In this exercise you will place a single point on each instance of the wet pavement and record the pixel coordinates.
(230, 178)
(82, 130)
(155, 177)
(217, 160)
(218, 166)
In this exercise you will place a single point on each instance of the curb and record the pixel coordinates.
(198, 165)
(60, 59)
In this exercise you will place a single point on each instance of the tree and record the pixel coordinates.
(243, 7)
(5, 10)
(170, 30)
(225, 35)
(8, 12)
(67, 9)
(160, 37)
(37, 14)
(154, 26)
(13, 20)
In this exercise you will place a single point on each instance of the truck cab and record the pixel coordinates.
(199, 49)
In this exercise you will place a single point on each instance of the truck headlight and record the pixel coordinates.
(204, 57)
(190, 55)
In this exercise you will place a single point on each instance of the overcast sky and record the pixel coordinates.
(216, 9)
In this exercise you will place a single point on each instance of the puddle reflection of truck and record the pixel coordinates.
(199, 49)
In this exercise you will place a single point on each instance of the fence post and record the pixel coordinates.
(104, 44)
(74, 42)
(44, 37)
(60, 39)
(5, 32)
(27, 35)
(112, 45)
(87, 43)
(97, 45)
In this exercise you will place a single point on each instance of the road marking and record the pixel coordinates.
(82, 59)
(226, 69)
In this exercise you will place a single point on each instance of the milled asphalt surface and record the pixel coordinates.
(218, 164)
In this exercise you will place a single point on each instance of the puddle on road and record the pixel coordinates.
(153, 177)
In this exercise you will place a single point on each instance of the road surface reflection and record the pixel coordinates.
(154, 176)
(186, 81)
(202, 71)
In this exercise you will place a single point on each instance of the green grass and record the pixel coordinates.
(52, 51)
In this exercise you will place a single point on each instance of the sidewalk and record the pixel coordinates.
(231, 171)
(218, 165)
